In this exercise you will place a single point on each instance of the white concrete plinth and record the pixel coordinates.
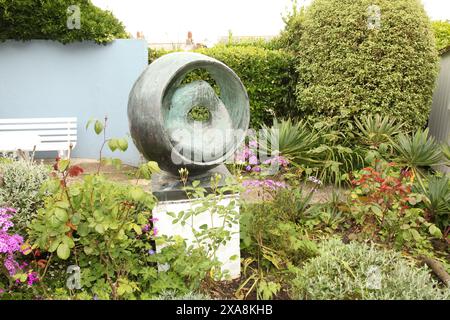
(224, 253)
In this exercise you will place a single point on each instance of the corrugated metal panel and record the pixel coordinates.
(440, 114)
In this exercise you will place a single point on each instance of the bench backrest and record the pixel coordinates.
(51, 134)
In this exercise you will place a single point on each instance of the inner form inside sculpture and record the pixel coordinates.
(202, 141)
(199, 140)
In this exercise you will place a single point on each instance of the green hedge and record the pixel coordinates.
(47, 19)
(442, 33)
(268, 75)
(347, 69)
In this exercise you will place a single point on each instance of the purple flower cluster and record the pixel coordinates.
(32, 278)
(268, 184)
(277, 161)
(148, 227)
(9, 244)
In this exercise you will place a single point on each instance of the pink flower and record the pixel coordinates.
(253, 144)
(278, 160)
(268, 184)
(253, 160)
(155, 231)
(256, 169)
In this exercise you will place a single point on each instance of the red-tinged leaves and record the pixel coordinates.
(75, 171)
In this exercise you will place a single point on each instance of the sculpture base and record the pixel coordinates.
(167, 187)
(228, 253)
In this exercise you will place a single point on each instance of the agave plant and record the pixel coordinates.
(376, 130)
(291, 139)
(418, 151)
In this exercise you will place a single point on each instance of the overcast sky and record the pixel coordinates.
(170, 20)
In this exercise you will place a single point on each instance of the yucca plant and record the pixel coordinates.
(292, 140)
(376, 130)
(438, 200)
(418, 151)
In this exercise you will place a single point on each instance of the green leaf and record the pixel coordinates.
(54, 245)
(100, 228)
(61, 214)
(153, 167)
(62, 204)
(137, 194)
(63, 251)
(113, 145)
(83, 230)
(76, 218)
(98, 127)
(435, 231)
(63, 164)
(123, 144)
(137, 229)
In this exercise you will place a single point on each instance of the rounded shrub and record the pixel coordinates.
(360, 271)
(361, 57)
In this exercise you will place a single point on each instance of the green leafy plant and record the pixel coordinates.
(358, 271)
(274, 239)
(385, 207)
(47, 19)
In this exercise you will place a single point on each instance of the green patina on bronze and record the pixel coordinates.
(160, 113)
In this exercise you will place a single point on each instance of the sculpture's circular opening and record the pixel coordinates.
(199, 113)
(167, 95)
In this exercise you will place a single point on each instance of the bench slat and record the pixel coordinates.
(38, 120)
(24, 127)
(58, 132)
(58, 138)
(56, 146)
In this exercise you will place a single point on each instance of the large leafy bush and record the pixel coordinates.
(47, 19)
(360, 271)
(348, 68)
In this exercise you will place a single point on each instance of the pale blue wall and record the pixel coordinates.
(84, 80)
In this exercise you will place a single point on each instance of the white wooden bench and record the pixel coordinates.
(38, 134)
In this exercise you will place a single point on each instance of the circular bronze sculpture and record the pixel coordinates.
(159, 107)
